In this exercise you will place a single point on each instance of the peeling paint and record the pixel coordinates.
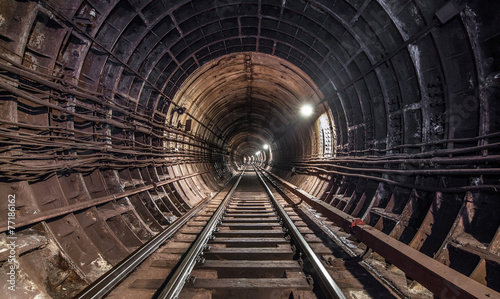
(415, 55)
(100, 262)
(416, 16)
(27, 287)
(31, 61)
(399, 24)
(10, 57)
(37, 39)
(100, 266)
(359, 295)
(469, 17)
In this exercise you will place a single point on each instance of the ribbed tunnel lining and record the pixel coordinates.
(412, 98)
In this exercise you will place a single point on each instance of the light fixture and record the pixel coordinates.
(179, 110)
(257, 153)
(307, 110)
(266, 146)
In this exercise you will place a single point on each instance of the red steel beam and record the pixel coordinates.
(438, 278)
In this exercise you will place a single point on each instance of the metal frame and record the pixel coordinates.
(102, 286)
(57, 212)
(440, 279)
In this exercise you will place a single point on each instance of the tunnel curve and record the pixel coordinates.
(249, 100)
(118, 116)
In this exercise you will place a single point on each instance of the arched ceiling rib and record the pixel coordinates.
(393, 73)
(353, 50)
(247, 93)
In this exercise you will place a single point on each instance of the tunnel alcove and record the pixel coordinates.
(118, 116)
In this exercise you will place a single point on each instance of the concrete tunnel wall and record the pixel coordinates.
(118, 116)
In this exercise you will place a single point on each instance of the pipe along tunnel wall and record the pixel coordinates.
(118, 116)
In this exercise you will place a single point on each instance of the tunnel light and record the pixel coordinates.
(307, 110)
(257, 153)
(266, 146)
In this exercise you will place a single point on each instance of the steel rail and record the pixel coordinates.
(438, 278)
(326, 282)
(102, 286)
(178, 279)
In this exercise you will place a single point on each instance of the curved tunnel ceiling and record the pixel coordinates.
(248, 99)
(367, 57)
(102, 159)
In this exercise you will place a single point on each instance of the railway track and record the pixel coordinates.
(247, 242)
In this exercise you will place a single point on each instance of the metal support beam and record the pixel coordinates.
(440, 279)
(102, 286)
(46, 215)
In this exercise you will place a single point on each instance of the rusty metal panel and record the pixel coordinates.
(437, 277)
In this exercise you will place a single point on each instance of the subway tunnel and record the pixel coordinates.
(119, 116)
